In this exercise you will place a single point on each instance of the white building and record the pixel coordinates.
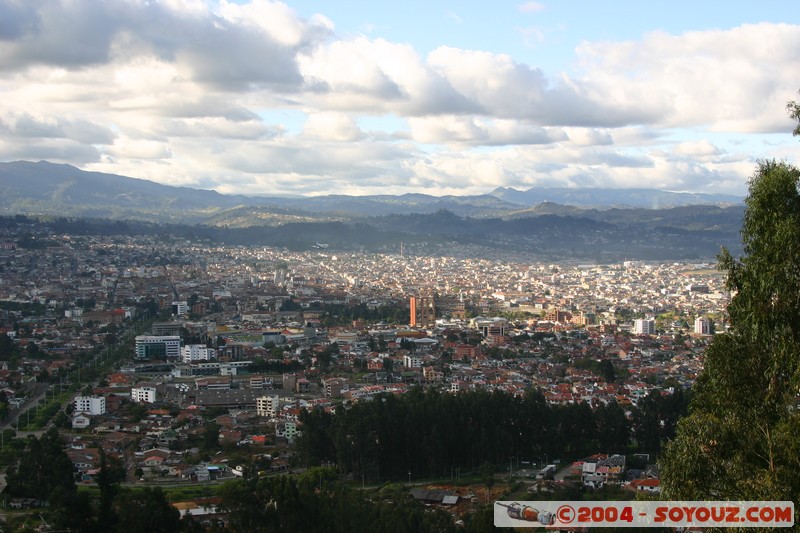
(197, 352)
(412, 361)
(81, 421)
(180, 308)
(644, 326)
(268, 405)
(91, 405)
(702, 326)
(158, 346)
(143, 394)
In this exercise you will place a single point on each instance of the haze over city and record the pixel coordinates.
(444, 98)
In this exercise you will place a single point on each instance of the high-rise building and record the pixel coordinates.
(92, 405)
(421, 311)
(158, 346)
(180, 307)
(197, 352)
(268, 405)
(702, 326)
(644, 326)
(143, 394)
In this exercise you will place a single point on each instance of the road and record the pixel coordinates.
(38, 392)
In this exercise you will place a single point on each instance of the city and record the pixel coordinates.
(198, 360)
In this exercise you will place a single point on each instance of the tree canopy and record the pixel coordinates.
(740, 438)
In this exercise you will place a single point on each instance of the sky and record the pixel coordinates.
(439, 97)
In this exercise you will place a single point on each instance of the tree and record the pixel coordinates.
(608, 371)
(147, 511)
(794, 113)
(740, 438)
(211, 436)
(487, 473)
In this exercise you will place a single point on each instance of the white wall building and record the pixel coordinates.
(644, 326)
(180, 308)
(143, 394)
(197, 352)
(268, 405)
(91, 405)
(702, 326)
(412, 361)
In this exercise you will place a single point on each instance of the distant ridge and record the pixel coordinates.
(524, 225)
(44, 188)
(605, 197)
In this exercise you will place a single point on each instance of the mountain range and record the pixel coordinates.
(552, 223)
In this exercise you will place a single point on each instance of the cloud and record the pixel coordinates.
(238, 47)
(138, 149)
(30, 126)
(729, 80)
(378, 76)
(186, 92)
(507, 89)
(531, 7)
(697, 149)
(480, 132)
(332, 126)
(453, 17)
(53, 149)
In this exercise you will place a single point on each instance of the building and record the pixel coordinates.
(158, 347)
(197, 352)
(644, 326)
(334, 387)
(412, 361)
(180, 308)
(81, 421)
(166, 328)
(467, 351)
(702, 326)
(268, 405)
(289, 381)
(490, 326)
(286, 430)
(422, 311)
(90, 405)
(143, 394)
(432, 374)
(558, 316)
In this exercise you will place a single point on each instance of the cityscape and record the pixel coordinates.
(419, 267)
(163, 342)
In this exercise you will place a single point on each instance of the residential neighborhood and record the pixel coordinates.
(190, 362)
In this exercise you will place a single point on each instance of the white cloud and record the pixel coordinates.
(731, 80)
(377, 76)
(453, 17)
(331, 126)
(456, 129)
(126, 148)
(697, 149)
(177, 91)
(531, 7)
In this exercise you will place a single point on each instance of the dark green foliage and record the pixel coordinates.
(44, 471)
(263, 366)
(432, 434)
(740, 439)
(656, 417)
(146, 511)
(794, 113)
(317, 502)
(613, 429)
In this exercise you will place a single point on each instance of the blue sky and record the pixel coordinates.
(330, 97)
